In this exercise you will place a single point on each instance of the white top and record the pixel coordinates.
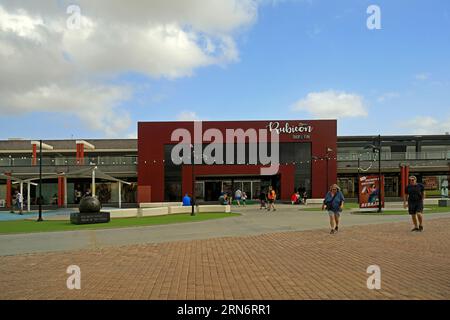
(238, 193)
(19, 197)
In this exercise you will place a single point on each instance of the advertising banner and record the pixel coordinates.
(369, 192)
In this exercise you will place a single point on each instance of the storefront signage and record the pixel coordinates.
(299, 130)
(369, 191)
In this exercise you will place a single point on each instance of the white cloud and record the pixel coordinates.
(314, 32)
(95, 106)
(332, 105)
(422, 76)
(388, 96)
(187, 116)
(427, 125)
(45, 66)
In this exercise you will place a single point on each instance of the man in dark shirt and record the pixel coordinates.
(415, 194)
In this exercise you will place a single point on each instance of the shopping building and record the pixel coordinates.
(425, 156)
(161, 178)
(157, 166)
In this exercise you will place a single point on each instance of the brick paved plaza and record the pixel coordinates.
(285, 265)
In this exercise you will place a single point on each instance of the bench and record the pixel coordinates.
(180, 209)
(314, 201)
(124, 213)
(214, 208)
(149, 212)
(158, 204)
(431, 201)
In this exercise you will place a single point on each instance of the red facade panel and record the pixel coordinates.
(152, 136)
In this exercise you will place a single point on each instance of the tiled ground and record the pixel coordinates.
(289, 265)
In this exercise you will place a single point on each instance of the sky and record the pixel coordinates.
(93, 69)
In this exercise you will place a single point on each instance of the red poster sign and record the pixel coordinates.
(369, 191)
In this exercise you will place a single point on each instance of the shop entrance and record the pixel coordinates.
(212, 190)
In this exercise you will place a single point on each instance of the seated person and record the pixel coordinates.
(223, 199)
(186, 200)
(295, 198)
(305, 197)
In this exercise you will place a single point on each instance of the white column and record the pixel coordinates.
(21, 192)
(93, 182)
(120, 194)
(28, 196)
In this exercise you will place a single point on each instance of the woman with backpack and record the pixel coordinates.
(334, 203)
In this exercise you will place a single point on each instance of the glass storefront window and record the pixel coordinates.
(391, 187)
(348, 186)
(237, 185)
(2, 194)
(256, 187)
(247, 188)
(199, 190)
(227, 187)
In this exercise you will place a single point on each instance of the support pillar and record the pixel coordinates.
(28, 196)
(8, 190)
(93, 183)
(61, 191)
(120, 194)
(21, 192)
(404, 175)
(80, 154)
(65, 191)
(34, 158)
(402, 181)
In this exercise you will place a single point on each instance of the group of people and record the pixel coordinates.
(267, 200)
(413, 201)
(297, 199)
(17, 202)
(226, 199)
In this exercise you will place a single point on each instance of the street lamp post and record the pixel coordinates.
(193, 181)
(359, 165)
(377, 149)
(40, 182)
(379, 173)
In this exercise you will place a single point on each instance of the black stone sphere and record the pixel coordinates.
(89, 204)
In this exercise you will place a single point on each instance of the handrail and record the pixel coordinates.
(395, 156)
(69, 161)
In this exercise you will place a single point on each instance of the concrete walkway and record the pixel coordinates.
(252, 222)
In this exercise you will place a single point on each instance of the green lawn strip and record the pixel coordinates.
(318, 207)
(428, 209)
(27, 226)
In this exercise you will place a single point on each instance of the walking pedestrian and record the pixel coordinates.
(244, 198)
(18, 202)
(271, 196)
(262, 200)
(237, 196)
(334, 203)
(415, 194)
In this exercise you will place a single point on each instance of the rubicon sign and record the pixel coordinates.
(287, 128)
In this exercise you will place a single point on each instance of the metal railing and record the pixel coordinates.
(69, 161)
(395, 156)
